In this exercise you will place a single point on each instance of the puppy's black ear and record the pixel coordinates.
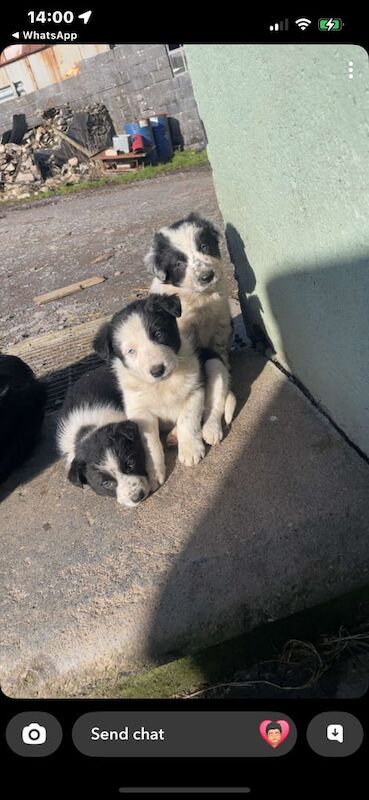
(170, 303)
(128, 429)
(76, 473)
(206, 224)
(213, 230)
(153, 259)
(102, 343)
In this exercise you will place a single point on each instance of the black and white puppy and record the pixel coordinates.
(159, 373)
(185, 259)
(102, 448)
(22, 404)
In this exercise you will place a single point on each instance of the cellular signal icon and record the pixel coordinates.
(279, 26)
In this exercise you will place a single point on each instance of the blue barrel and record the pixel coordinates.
(143, 127)
(162, 137)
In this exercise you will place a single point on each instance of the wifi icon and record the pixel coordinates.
(303, 23)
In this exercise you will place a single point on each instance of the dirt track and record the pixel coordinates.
(51, 244)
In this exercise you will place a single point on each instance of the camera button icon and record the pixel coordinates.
(34, 734)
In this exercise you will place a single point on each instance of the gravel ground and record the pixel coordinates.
(107, 231)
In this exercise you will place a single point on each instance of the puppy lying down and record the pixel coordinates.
(100, 446)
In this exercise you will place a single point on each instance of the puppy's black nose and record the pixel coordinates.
(206, 277)
(158, 370)
(139, 496)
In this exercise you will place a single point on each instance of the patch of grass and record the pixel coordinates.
(223, 670)
(187, 159)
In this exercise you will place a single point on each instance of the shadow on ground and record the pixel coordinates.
(273, 522)
(287, 528)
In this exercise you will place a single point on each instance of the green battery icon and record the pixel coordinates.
(330, 24)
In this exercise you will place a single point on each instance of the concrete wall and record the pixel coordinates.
(132, 80)
(288, 135)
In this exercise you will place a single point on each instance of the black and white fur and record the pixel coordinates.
(160, 376)
(22, 404)
(185, 259)
(101, 447)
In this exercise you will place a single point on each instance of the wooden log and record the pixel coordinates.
(58, 294)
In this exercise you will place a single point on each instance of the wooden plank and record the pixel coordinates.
(124, 159)
(58, 294)
(72, 142)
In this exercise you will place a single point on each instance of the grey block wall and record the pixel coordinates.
(132, 80)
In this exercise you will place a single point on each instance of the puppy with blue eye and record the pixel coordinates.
(160, 377)
(101, 447)
(185, 260)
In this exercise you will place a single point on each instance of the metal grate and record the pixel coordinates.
(60, 358)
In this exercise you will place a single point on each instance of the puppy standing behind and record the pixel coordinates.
(101, 447)
(159, 374)
(185, 260)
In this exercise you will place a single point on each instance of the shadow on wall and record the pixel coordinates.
(252, 308)
(323, 330)
(322, 315)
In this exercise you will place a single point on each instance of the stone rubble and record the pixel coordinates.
(24, 172)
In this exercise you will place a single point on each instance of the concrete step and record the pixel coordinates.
(273, 521)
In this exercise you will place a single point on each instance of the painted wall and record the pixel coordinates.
(288, 141)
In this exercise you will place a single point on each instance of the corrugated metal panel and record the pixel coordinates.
(48, 66)
(88, 50)
(16, 51)
(20, 71)
(68, 58)
(5, 79)
(45, 67)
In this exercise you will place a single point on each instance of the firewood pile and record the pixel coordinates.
(44, 159)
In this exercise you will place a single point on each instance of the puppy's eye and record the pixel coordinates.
(108, 484)
(179, 264)
(131, 351)
(131, 465)
(204, 248)
(158, 334)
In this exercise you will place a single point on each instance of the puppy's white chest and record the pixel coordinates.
(165, 399)
(208, 319)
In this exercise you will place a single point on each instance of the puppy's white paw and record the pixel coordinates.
(191, 452)
(212, 432)
(230, 407)
(156, 478)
